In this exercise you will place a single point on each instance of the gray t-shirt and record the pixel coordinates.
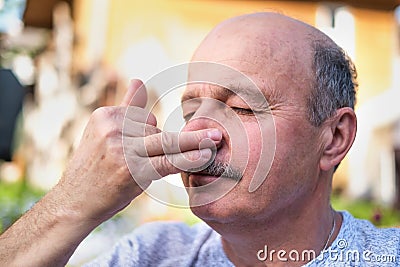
(359, 243)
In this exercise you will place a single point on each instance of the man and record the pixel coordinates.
(309, 86)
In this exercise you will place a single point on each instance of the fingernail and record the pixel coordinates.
(214, 134)
(206, 153)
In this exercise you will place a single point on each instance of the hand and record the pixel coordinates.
(121, 142)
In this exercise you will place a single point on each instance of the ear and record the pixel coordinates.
(339, 135)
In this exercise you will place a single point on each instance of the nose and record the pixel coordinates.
(207, 116)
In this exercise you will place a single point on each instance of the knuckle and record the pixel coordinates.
(102, 112)
(199, 135)
(150, 130)
(169, 142)
(196, 136)
(108, 114)
(167, 165)
(105, 123)
(134, 112)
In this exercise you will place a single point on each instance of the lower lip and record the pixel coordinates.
(200, 180)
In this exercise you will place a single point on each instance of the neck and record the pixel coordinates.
(290, 236)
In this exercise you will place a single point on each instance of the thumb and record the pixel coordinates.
(136, 94)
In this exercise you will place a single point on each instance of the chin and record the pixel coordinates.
(222, 210)
(204, 190)
(212, 198)
(209, 212)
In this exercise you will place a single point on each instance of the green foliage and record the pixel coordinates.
(379, 215)
(15, 199)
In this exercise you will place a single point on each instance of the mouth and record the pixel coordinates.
(213, 172)
(197, 180)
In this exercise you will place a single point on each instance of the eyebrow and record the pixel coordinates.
(245, 93)
(270, 95)
(258, 98)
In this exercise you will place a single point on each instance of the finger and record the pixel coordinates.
(171, 143)
(176, 163)
(136, 94)
(140, 115)
(138, 129)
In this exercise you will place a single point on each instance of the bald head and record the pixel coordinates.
(260, 37)
(284, 53)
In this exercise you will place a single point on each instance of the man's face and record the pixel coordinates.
(242, 114)
(264, 125)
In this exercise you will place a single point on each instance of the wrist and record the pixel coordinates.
(62, 209)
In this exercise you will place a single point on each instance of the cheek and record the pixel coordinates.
(256, 143)
(259, 151)
(296, 148)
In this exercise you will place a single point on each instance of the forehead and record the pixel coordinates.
(219, 80)
(222, 82)
(225, 82)
(272, 51)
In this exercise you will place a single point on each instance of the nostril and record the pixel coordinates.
(219, 145)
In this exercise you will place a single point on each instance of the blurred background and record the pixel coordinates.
(60, 60)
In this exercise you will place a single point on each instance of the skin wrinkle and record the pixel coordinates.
(280, 61)
(275, 99)
(225, 95)
(272, 96)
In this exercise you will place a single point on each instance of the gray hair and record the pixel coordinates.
(335, 82)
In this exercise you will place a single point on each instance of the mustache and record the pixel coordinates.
(220, 169)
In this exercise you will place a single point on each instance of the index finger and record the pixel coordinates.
(136, 95)
(172, 142)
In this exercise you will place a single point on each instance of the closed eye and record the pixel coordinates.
(188, 116)
(237, 110)
(243, 111)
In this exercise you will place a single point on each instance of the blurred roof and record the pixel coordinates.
(39, 13)
(370, 4)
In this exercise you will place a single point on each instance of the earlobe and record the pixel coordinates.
(343, 128)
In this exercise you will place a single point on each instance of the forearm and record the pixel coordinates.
(46, 235)
(97, 182)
